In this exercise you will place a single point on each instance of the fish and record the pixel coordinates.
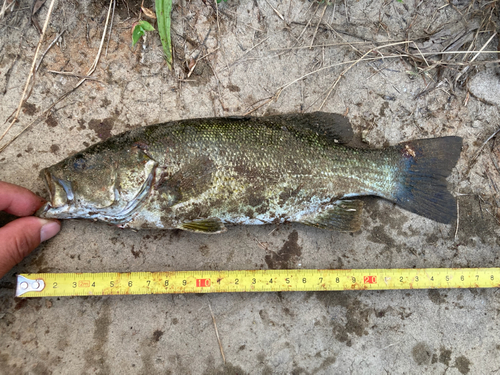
(201, 175)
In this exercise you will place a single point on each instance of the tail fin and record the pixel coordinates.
(422, 188)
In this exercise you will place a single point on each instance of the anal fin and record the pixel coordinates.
(343, 216)
(210, 226)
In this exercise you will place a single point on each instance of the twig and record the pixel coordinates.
(5, 7)
(353, 64)
(473, 159)
(48, 48)
(397, 41)
(217, 80)
(72, 74)
(432, 64)
(247, 52)
(98, 56)
(389, 57)
(421, 54)
(276, 11)
(201, 58)
(317, 26)
(346, 11)
(89, 72)
(317, 46)
(217, 333)
(265, 101)
(308, 22)
(477, 54)
(32, 71)
(458, 219)
(110, 27)
(217, 18)
(8, 73)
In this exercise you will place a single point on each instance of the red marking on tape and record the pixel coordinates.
(203, 283)
(83, 283)
(370, 279)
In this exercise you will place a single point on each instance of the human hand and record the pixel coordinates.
(21, 236)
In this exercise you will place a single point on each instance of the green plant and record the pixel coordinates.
(139, 30)
(163, 10)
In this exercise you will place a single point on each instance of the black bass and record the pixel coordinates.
(201, 174)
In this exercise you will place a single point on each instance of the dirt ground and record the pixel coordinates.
(252, 56)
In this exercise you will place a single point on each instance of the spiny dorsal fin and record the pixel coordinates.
(332, 126)
(343, 216)
(211, 226)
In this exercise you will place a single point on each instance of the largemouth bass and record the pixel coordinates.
(201, 174)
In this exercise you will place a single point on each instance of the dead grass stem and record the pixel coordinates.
(419, 57)
(48, 49)
(62, 97)
(31, 75)
(217, 333)
(5, 8)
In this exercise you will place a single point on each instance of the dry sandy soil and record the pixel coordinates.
(252, 56)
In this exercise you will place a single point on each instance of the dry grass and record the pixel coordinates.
(452, 63)
(217, 333)
(31, 76)
(65, 95)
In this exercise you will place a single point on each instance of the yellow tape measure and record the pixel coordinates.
(101, 284)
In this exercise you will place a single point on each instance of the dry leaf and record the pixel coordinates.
(37, 25)
(149, 13)
(37, 6)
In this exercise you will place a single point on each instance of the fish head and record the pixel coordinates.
(98, 184)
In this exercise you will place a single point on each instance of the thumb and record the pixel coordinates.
(20, 237)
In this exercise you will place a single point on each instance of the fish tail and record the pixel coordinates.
(421, 186)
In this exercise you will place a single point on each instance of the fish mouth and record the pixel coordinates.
(61, 195)
(63, 205)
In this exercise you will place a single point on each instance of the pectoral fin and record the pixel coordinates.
(212, 225)
(343, 216)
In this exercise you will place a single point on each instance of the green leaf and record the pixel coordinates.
(139, 31)
(136, 34)
(146, 25)
(163, 10)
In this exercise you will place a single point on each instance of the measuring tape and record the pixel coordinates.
(102, 284)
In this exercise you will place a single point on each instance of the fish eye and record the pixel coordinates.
(79, 164)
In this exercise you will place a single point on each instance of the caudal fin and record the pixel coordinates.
(422, 187)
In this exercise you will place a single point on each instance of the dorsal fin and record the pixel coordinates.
(332, 126)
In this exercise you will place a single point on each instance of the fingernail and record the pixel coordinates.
(49, 229)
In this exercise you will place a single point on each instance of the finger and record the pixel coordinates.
(17, 200)
(21, 236)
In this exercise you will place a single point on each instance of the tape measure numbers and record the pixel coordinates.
(100, 284)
